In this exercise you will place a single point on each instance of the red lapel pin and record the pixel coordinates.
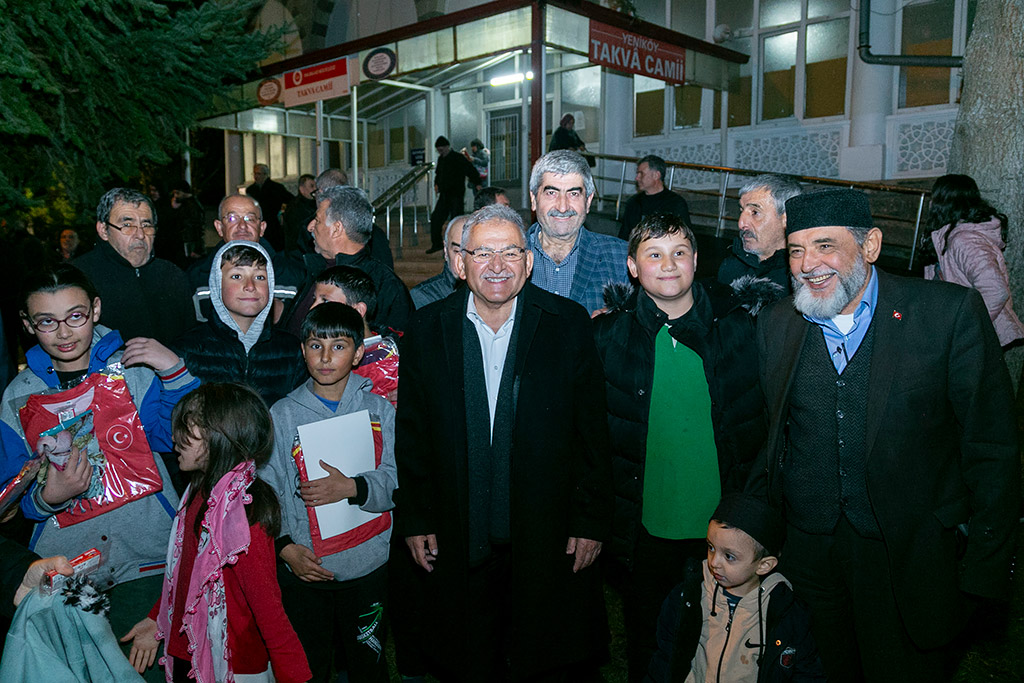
(897, 315)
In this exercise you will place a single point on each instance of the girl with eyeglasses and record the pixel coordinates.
(61, 309)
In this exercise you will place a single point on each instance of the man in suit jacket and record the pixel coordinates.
(501, 443)
(570, 260)
(892, 448)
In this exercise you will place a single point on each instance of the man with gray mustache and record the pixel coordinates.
(568, 259)
(892, 449)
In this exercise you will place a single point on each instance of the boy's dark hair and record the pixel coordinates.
(243, 255)
(53, 279)
(658, 225)
(331, 320)
(487, 196)
(356, 285)
(235, 424)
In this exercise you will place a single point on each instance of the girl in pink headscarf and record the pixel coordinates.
(220, 614)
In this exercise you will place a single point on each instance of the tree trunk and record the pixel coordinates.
(988, 141)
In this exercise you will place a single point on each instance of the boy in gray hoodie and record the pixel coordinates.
(238, 343)
(335, 601)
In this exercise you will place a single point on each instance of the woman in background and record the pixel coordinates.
(968, 236)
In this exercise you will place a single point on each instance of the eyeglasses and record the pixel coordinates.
(485, 255)
(146, 228)
(248, 219)
(76, 319)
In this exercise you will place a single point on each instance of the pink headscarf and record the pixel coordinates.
(224, 536)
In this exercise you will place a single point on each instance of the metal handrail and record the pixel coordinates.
(727, 171)
(396, 194)
(388, 197)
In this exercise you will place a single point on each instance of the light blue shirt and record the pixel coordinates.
(494, 349)
(842, 347)
(548, 275)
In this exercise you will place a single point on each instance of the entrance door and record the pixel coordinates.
(504, 145)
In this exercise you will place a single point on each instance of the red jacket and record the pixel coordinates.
(258, 629)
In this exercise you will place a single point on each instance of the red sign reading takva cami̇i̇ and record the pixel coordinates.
(319, 82)
(632, 52)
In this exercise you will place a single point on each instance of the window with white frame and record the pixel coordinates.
(799, 52)
(940, 27)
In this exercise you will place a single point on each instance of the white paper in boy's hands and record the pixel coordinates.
(345, 442)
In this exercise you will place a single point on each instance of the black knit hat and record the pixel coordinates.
(753, 517)
(846, 208)
(442, 141)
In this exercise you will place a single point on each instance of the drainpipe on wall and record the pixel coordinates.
(864, 48)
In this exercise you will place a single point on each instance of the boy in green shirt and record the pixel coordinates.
(684, 410)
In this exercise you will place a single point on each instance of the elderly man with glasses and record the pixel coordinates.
(502, 452)
(143, 296)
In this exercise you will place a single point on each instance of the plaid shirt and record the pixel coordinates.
(599, 260)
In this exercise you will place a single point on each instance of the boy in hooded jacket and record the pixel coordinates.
(238, 343)
(734, 618)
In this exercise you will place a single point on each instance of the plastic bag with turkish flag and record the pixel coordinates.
(98, 418)
(380, 364)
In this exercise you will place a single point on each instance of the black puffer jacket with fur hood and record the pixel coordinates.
(720, 329)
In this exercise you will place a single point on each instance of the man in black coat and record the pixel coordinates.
(760, 247)
(652, 196)
(271, 195)
(379, 245)
(449, 173)
(142, 296)
(892, 448)
(501, 446)
(341, 232)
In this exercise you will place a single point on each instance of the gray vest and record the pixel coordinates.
(824, 472)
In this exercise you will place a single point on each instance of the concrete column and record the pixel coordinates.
(870, 99)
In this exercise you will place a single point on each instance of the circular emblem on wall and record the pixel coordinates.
(380, 63)
(268, 91)
(119, 437)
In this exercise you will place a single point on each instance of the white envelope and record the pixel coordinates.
(345, 442)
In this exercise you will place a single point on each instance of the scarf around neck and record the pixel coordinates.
(224, 536)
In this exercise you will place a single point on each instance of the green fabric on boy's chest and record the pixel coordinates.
(681, 479)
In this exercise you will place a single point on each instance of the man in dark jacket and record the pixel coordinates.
(142, 296)
(299, 213)
(449, 173)
(444, 283)
(652, 196)
(502, 453)
(341, 230)
(271, 195)
(238, 342)
(892, 447)
(760, 248)
(379, 244)
(684, 411)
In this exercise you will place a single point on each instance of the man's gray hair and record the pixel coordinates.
(125, 195)
(859, 234)
(332, 177)
(655, 163)
(780, 187)
(494, 212)
(562, 162)
(351, 206)
(220, 207)
(266, 169)
(448, 228)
